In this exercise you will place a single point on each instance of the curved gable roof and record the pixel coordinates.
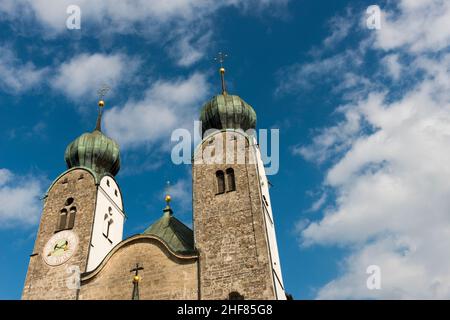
(145, 237)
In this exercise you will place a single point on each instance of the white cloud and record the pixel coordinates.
(78, 77)
(122, 14)
(389, 165)
(188, 49)
(19, 198)
(332, 140)
(393, 66)
(392, 187)
(178, 24)
(319, 203)
(18, 76)
(181, 193)
(404, 275)
(418, 25)
(305, 76)
(5, 176)
(340, 28)
(167, 104)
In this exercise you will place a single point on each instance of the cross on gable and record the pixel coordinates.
(136, 269)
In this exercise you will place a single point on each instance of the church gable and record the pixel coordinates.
(164, 273)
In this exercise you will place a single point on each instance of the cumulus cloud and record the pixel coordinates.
(167, 104)
(16, 75)
(122, 14)
(393, 66)
(189, 49)
(19, 198)
(77, 77)
(417, 26)
(387, 162)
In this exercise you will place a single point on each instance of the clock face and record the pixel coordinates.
(60, 248)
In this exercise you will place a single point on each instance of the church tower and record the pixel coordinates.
(82, 218)
(233, 223)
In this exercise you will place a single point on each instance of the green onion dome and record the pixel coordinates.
(226, 111)
(95, 151)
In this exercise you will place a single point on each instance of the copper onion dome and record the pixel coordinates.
(94, 150)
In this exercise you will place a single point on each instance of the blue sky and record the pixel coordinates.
(364, 119)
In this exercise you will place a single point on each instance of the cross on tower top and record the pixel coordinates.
(103, 91)
(221, 58)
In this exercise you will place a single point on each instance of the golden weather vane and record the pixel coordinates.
(220, 58)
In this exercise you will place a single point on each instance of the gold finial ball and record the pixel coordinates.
(101, 103)
(136, 279)
(168, 198)
(222, 70)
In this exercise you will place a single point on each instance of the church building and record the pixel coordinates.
(231, 253)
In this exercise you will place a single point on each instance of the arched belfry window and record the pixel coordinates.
(231, 180)
(71, 217)
(220, 182)
(66, 218)
(62, 220)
